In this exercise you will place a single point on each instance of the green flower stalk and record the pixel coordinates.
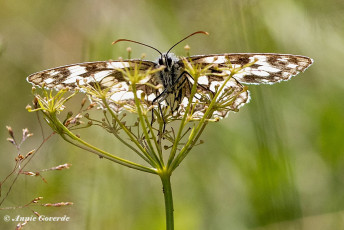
(164, 142)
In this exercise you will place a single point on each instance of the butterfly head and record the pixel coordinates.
(168, 60)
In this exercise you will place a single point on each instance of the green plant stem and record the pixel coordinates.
(167, 190)
(130, 135)
(195, 131)
(144, 127)
(104, 153)
(157, 144)
(183, 123)
(181, 158)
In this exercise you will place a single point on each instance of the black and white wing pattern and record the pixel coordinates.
(263, 68)
(107, 74)
(256, 68)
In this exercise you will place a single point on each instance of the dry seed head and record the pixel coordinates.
(83, 101)
(30, 153)
(60, 167)
(11, 140)
(91, 106)
(37, 199)
(78, 116)
(20, 225)
(58, 204)
(36, 213)
(10, 131)
(26, 133)
(31, 174)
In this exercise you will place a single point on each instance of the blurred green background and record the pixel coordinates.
(277, 164)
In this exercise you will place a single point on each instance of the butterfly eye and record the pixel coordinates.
(169, 61)
(160, 61)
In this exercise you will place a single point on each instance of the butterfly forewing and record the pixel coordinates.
(261, 68)
(106, 73)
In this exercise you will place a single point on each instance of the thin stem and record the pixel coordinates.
(157, 145)
(195, 131)
(183, 123)
(108, 155)
(167, 190)
(131, 147)
(114, 132)
(143, 125)
(181, 158)
(131, 136)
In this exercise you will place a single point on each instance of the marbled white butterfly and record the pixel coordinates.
(174, 81)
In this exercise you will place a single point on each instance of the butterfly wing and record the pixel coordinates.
(107, 74)
(262, 68)
(257, 68)
(231, 98)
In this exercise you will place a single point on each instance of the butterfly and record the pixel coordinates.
(171, 85)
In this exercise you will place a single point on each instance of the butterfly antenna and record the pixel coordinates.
(127, 40)
(197, 32)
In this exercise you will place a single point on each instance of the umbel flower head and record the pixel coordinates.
(197, 102)
(134, 89)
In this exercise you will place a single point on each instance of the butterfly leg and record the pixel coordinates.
(161, 97)
(187, 73)
(162, 117)
(197, 82)
(190, 89)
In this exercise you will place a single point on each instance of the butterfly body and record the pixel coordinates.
(173, 79)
